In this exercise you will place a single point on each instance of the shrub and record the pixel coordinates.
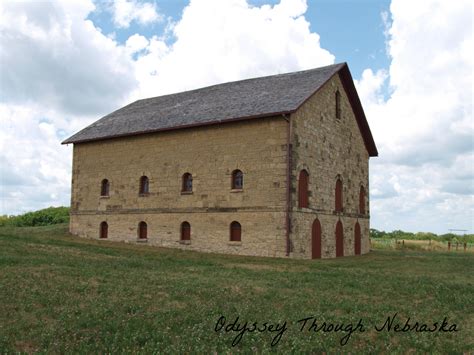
(44, 217)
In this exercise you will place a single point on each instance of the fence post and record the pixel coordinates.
(465, 246)
(403, 244)
(449, 246)
(457, 246)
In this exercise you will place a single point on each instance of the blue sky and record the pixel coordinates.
(352, 30)
(64, 64)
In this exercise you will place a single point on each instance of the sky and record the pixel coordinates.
(65, 64)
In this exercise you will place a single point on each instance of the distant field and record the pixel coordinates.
(62, 294)
(422, 245)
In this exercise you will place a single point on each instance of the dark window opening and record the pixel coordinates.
(338, 104)
(303, 200)
(338, 194)
(104, 230)
(237, 180)
(362, 200)
(235, 232)
(104, 188)
(142, 230)
(187, 183)
(185, 231)
(339, 239)
(144, 185)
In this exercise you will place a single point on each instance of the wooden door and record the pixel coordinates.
(357, 239)
(316, 240)
(303, 189)
(338, 196)
(142, 230)
(339, 239)
(235, 232)
(362, 200)
(104, 230)
(185, 231)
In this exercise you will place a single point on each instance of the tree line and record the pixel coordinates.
(399, 234)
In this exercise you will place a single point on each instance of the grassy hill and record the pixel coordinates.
(59, 294)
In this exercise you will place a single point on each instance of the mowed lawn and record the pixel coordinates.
(60, 293)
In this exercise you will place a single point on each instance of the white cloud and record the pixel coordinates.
(136, 43)
(35, 168)
(424, 130)
(60, 73)
(369, 87)
(50, 54)
(230, 40)
(126, 11)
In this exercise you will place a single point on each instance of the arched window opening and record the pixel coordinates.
(187, 183)
(142, 230)
(237, 180)
(316, 240)
(104, 188)
(338, 104)
(235, 232)
(362, 200)
(338, 194)
(104, 230)
(144, 185)
(339, 239)
(303, 198)
(185, 231)
(357, 240)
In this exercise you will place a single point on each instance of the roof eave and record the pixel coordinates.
(201, 124)
(348, 83)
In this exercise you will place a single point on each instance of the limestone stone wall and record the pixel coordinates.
(210, 154)
(328, 147)
(263, 233)
(302, 222)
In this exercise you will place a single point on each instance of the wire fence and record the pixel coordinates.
(427, 245)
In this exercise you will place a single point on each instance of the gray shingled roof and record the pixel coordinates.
(257, 97)
(238, 100)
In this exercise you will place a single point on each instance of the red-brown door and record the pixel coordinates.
(142, 230)
(357, 239)
(185, 231)
(316, 240)
(303, 189)
(339, 240)
(338, 196)
(362, 200)
(104, 229)
(235, 232)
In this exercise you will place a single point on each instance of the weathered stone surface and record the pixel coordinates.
(210, 154)
(328, 147)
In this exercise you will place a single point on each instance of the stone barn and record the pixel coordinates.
(274, 166)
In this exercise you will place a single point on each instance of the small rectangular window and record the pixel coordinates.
(338, 105)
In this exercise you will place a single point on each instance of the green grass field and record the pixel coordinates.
(63, 294)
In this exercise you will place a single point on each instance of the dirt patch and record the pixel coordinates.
(26, 347)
